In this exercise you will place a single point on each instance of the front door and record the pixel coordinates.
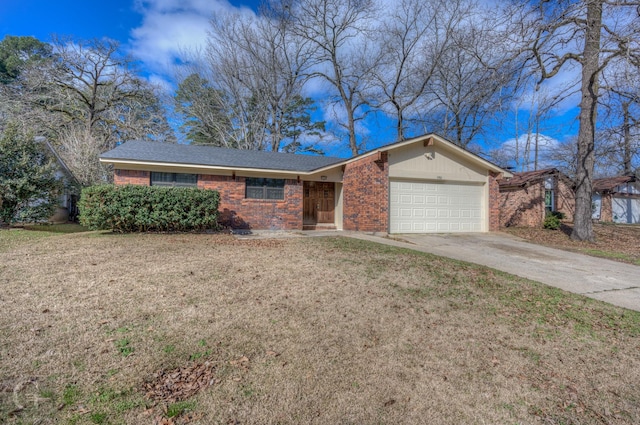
(319, 202)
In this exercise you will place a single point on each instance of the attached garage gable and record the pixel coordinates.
(432, 206)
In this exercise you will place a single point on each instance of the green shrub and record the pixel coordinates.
(133, 208)
(552, 221)
(559, 214)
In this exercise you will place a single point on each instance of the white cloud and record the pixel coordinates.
(521, 152)
(170, 27)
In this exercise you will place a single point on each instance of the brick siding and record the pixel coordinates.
(139, 178)
(524, 206)
(235, 211)
(366, 194)
(565, 199)
(606, 208)
(240, 213)
(494, 202)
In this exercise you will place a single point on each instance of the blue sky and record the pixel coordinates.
(84, 19)
(154, 32)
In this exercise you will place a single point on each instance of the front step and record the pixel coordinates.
(319, 226)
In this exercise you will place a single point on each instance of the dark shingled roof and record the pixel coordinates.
(213, 156)
(521, 179)
(610, 183)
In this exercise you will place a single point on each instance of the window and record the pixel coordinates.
(549, 201)
(174, 179)
(262, 188)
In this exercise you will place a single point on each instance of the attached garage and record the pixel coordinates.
(617, 199)
(432, 206)
(437, 187)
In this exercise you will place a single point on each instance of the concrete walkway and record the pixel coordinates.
(605, 280)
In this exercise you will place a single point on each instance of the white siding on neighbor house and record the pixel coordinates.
(596, 206)
(435, 207)
(625, 210)
(630, 188)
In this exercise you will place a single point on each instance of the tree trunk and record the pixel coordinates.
(400, 122)
(626, 129)
(583, 227)
(353, 142)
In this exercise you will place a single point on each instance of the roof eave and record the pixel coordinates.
(452, 146)
(115, 161)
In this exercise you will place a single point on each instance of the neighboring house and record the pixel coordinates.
(526, 197)
(67, 201)
(617, 199)
(425, 184)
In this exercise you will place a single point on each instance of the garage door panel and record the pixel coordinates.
(428, 207)
(626, 210)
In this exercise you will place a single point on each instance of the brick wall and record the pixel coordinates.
(366, 194)
(494, 202)
(523, 206)
(238, 212)
(140, 178)
(606, 208)
(565, 198)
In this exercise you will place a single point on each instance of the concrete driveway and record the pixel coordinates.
(605, 280)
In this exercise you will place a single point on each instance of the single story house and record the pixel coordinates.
(617, 200)
(526, 197)
(420, 185)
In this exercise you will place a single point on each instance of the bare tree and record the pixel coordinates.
(89, 91)
(474, 78)
(592, 34)
(340, 32)
(621, 120)
(246, 92)
(412, 40)
(80, 149)
(532, 109)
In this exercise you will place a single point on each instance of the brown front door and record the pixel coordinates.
(319, 202)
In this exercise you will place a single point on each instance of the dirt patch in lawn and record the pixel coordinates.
(614, 241)
(98, 328)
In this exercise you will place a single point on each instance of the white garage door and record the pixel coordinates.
(434, 207)
(626, 210)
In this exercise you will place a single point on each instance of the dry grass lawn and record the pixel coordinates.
(299, 330)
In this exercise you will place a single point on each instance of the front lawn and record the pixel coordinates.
(620, 242)
(118, 329)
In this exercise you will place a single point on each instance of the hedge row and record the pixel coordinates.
(132, 208)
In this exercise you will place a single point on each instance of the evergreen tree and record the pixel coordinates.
(28, 185)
